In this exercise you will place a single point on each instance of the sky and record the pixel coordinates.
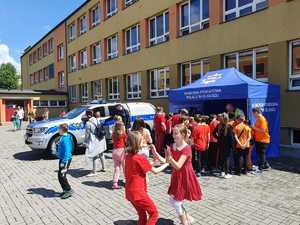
(23, 22)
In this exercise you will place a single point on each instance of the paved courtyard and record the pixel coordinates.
(28, 186)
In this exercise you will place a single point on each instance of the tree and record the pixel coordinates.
(8, 76)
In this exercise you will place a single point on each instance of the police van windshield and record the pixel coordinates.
(75, 112)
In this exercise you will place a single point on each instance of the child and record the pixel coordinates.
(136, 167)
(119, 138)
(64, 153)
(184, 184)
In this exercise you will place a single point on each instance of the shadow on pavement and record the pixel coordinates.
(133, 222)
(287, 164)
(46, 193)
(32, 156)
(102, 184)
(77, 173)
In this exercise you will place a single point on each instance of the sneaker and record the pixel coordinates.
(222, 174)
(103, 170)
(227, 176)
(190, 219)
(92, 174)
(67, 194)
(198, 174)
(116, 186)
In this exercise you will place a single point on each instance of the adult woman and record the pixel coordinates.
(139, 125)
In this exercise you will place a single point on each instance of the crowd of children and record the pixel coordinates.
(192, 145)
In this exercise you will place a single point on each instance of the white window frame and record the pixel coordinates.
(133, 48)
(159, 39)
(154, 93)
(99, 93)
(94, 59)
(237, 9)
(84, 92)
(95, 22)
(83, 24)
(292, 138)
(130, 2)
(115, 94)
(61, 52)
(73, 65)
(190, 26)
(253, 52)
(200, 62)
(131, 93)
(291, 75)
(83, 58)
(108, 13)
(72, 31)
(112, 55)
(73, 93)
(61, 82)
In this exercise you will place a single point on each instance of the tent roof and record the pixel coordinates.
(224, 84)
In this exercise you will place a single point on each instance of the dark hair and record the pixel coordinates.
(231, 116)
(169, 116)
(133, 143)
(64, 127)
(198, 118)
(256, 110)
(159, 109)
(89, 113)
(138, 124)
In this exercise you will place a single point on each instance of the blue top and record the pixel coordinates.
(64, 147)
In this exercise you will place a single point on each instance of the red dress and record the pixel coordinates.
(184, 184)
(159, 132)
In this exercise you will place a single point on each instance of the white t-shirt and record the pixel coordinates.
(20, 114)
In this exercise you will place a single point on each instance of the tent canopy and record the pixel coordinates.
(223, 84)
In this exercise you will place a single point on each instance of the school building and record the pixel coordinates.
(136, 50)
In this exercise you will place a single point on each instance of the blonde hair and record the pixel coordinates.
(118, 118)
(133, 143)
(184, 131)
(119, 128)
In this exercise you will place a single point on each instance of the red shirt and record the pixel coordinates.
(213, 125)
(175, 119)
(119, 142)
(200, 136)
(136, 167)
(158, 120)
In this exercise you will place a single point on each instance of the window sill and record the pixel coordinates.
(160, 43)
(159, 97)
(234, 19)
(94, 26)
(184, 35)
(131, 53)
(291, 90)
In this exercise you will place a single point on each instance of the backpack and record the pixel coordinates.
(99, 131)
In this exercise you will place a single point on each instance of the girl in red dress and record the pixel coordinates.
(184, 184)
(136, 168)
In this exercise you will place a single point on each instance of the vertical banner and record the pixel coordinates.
(271, 111)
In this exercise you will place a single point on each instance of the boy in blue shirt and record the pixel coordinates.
(64, 153)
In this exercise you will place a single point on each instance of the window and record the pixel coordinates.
(41, 76)
(34, 57)
(111, 7)
(294, 65)
(44, 103)
(112, 47)
(83, 59)
(60, 52)
(72, 63)
(159, 28)
(82, 24)
(30, 59)
(62, 103)
(61, 79)
(40, 55)
(31, 79)
(95, 16)
(192, 71)
(50, 45)
(96, 53)
(194, 15)
(35, 80)
(159, 82)
(253, 63)
(84, 94)
(45, 49)
(73, 94)
(72, 32)
(133, 83)
(51, 71)
(97, 89)
(129, 2)
(295, 137)
(133, 39)
(113, 88)
(36, 103)
(236, 8)
(53, 103)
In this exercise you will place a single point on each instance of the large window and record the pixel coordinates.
(133, 83)
(194, 15)
(50, 45)
(46, 73)
(236, 8)
(113, 88)
(60, 52)
(45, 49)
(61, 79)
(192, 71)
(159, 28)
(40, 55)
(159, 82)
(294, 65)
(133, 39)
(83, 58)
(295, 136)
(82, 24)
(111, 7)
(129, 2)
(112, 47)
(96, 53)
(95, 16)
(72, 31)
(72, 63)
(51, 71)
(73, 93)
(253, 63)
(84, 93)
(97, 89)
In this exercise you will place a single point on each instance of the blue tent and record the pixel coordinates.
(231, 86)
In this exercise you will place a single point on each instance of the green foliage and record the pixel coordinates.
(8, 76)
